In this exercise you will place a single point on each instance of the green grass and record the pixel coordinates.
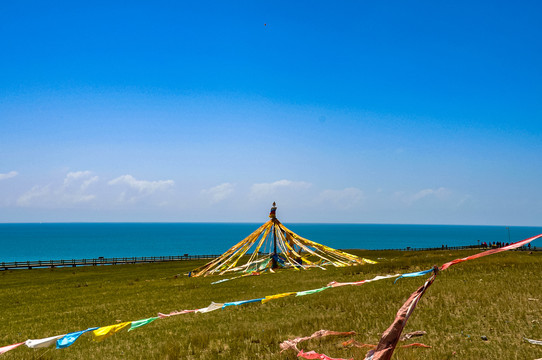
(483, 297)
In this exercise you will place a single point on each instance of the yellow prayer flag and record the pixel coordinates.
(106, 331)
(277, 296)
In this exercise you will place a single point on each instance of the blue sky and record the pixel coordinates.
(368, 112)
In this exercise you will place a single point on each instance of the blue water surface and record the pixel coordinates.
(51, 241)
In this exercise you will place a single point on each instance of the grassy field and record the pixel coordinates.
(499, 296)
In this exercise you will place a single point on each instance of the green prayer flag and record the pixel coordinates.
(314, 291)
(140, 323)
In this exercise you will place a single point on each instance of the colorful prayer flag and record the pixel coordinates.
(309, 292)
(41, 343)
(235, 303)
(70, 338)
(277, 296)
(214, 306)
(414, 274)
(106, 331)
(140, 323)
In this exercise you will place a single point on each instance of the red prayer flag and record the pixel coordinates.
(390, 337)
(491, 252)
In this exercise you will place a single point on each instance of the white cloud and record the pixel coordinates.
(219, 192)
(72, 191)
(81, 187)
(87, 182)
(267, 189)
(135, 190)
(142, 186)
(37, 192)
(465, 199)
(79, 179)
(8, 175)
(439, 194)
(342, 199)
(74, 176)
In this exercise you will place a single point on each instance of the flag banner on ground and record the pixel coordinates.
(416, 345)
(235, 303)
(173, 313)
(390, 337)
(292, 344)
(70, 338)
(354, 343)
(139, 323)
(315, 355)
(277, 296)
(5, 349)
(214, 306)
(338, 284)
(310, 292)
(41, 343)
(106, 331)
(491, 252)
(414, 274)
(412, 334)
(357, 283)
(253, 273)
(220, 281)
(534, 342)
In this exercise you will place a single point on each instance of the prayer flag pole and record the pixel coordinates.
(272, 215)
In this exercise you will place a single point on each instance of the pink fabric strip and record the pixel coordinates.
(315, 355)
(173, 313)
(5, 349)
(491, 252)
(390, 337)
(416, 345)
(292, 344)
(337, 284)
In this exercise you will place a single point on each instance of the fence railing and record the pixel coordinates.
(467, 247)
(99, 261)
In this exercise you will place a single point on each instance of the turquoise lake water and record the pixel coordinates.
(50, 241)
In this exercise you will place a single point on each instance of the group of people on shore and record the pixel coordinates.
(488, 245)
(493, 245)
(497, 244)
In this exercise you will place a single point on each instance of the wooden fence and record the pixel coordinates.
(99, 261)
(467, 247)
